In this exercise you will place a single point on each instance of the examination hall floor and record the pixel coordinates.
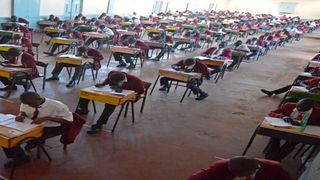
(169, 140)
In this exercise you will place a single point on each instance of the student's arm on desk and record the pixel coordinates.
(21, 117)
(277, 113)
(44, 119)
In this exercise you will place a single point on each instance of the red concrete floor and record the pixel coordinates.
(170, 140)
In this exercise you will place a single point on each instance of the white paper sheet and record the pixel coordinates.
(22, 126)
(277, 122)
(6, 118)
(313, 130)
(108, 89)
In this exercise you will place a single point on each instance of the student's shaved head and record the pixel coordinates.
(305, 104)
(116, 77)
(243, 166)
(31, 98)
(189, 62)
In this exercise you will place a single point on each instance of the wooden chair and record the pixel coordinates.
(36, 45)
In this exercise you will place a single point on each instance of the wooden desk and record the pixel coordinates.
(301, 92)
(12, 73)
(290, 134)
(148, 23)
(153, 30)
(46, 23)
(6, 47)
(125, 32)
(74, 60)
(63, 41)
(164, 22)
(183, 39)
(53, 30)
(104, 95)
(9, 24)
(10, 33)
(179, 76)
(212, 62)
(96, 35)
(126, 50)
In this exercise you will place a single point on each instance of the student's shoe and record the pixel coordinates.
(94, 129)
(26, 87)
(48, 53)
(131, 66)
(31, 145)
(122, 65)
(82, 111)
(155, 59)
(71, 84)
(202, 96)
(18, 162)
(163, 88)
(9, 88)
(47, 42)
(52, 78)
(268, 93)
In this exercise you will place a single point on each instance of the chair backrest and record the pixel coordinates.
(146, 86)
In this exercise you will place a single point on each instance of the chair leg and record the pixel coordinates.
(44, 78)
(132, 111)
(184, 94)
(299, 150)
(115, 124)
(94, 107)
(143, 102)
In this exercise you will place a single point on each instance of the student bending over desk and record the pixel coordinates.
(84, 52)
(189, 65)
(49, 113)
(241, 167)
(115, 79)
(71, 34)
(311, 84)
(15, 56)
(292, 113)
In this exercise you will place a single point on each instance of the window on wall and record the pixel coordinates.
(127, 7)
(157, 6)
(6, 8)
(46, 7)
(94, 6)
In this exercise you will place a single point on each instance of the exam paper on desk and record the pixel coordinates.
(277, 122)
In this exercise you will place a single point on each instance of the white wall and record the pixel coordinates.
(127, 7)
(6, 8)
(55, 7)
(94, 6)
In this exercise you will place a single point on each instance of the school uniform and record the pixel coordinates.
(25, 42)
(50, 108)
(26, 31)
(194, 84)
(74, 35)
(27, 61)
(220, 171)
(94, 53)
(131, 82)
(209, 51)
(277, 152)
(106, 30)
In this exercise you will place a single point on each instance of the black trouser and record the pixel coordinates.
(48, 132)
(90, 41)
(118, 57)
(190, 45)
(77, 72)
(21, 80)
(276, 152)
(53, 34)
(107, 111)
(55, 47)
(193, 85)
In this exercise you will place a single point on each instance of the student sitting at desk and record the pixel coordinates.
(15, 56)
(82, 52)
(104, 30)
(53, 18)
(49, 113)
(131, 42)
(292, 113)
(116, 80)
(163, 38)
(18, 20)
(242, 167)
(309, 84)
(189, 65)
(316, 57)
(20, 28)
(71, 34)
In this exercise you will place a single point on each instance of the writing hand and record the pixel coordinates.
(287, 120)
(98, 85)
(20, 118)
(39, 120)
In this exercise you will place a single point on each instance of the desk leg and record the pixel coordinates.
(184, 94)
(115, 124)
(132, 111)
(94, 107)
(251, 140)
(109, 59)
(154, 85)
